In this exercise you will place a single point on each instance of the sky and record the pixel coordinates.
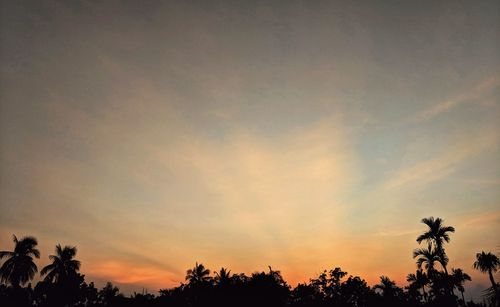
(303, 135)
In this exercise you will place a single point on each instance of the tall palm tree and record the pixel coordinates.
(459, 278)
(420, 280)
(427, 258)
(223, 277)
(488, 262)
(436, 236)
(19, 268)
(63, 264)
(198, 275)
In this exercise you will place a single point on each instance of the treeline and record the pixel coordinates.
(432, 284)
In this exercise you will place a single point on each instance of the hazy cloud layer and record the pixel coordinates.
(294, 134)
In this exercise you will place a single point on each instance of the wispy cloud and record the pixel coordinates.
(483, 181)
(443, 164)
(396, 233)
(481, 219)
(476, 94)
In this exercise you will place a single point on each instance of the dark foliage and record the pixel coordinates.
(63, 285)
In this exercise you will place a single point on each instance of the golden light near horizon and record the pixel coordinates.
(299, 135)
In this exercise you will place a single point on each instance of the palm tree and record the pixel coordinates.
(488, 262)
(436, 236)
(108, 295)
(459, 278)
(387, 286)
(223, 277)
(198, 275)
(427, 258)
(420, 280)
(62, 266)
(19, 268)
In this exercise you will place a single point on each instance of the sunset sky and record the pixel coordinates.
(298, 134)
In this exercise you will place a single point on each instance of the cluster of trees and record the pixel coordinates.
(431, 285)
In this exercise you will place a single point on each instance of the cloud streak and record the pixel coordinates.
(481, 92)
(443, 164)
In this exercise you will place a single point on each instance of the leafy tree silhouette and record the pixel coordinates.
(223, 277)
(387, 287)
(109, 295)
(419, 280)
(62, 281)
(198, 275)
(459, 278)
(391, 294)
(19, 268)
(64, 286)
(436, 236)
(355, 292)
(427, 258)
(63, 265)
(488, 263)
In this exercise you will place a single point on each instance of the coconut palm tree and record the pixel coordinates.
(436, 236)
(19, 268)
(223, 277)
(420, 280)
(198, 275)
(459, 278)
(62, 266)
(488, 262)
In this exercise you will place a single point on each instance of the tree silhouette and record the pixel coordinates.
(19, 267)
(426, 258)
(459, 278)
(62, 266)
(436, 236)
(391, 294)
(419, 280)
(108, 295)
(386, 286)
(64, 286)
(329, 283)
(198, 275)
(223, 277)
(354, 292)
(267, 289)
(488, 263)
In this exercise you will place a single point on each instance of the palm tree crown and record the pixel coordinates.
(387, 286)
(19, 268)
(459, 278)
(427, 258)
(63, 264)
(437, 233)
(198, 275)
(436, 236)
(487, 263)
(223, 277)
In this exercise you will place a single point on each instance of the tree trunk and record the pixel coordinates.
(493, 283)
(445, 270)
(450, 288)
(463, 299)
